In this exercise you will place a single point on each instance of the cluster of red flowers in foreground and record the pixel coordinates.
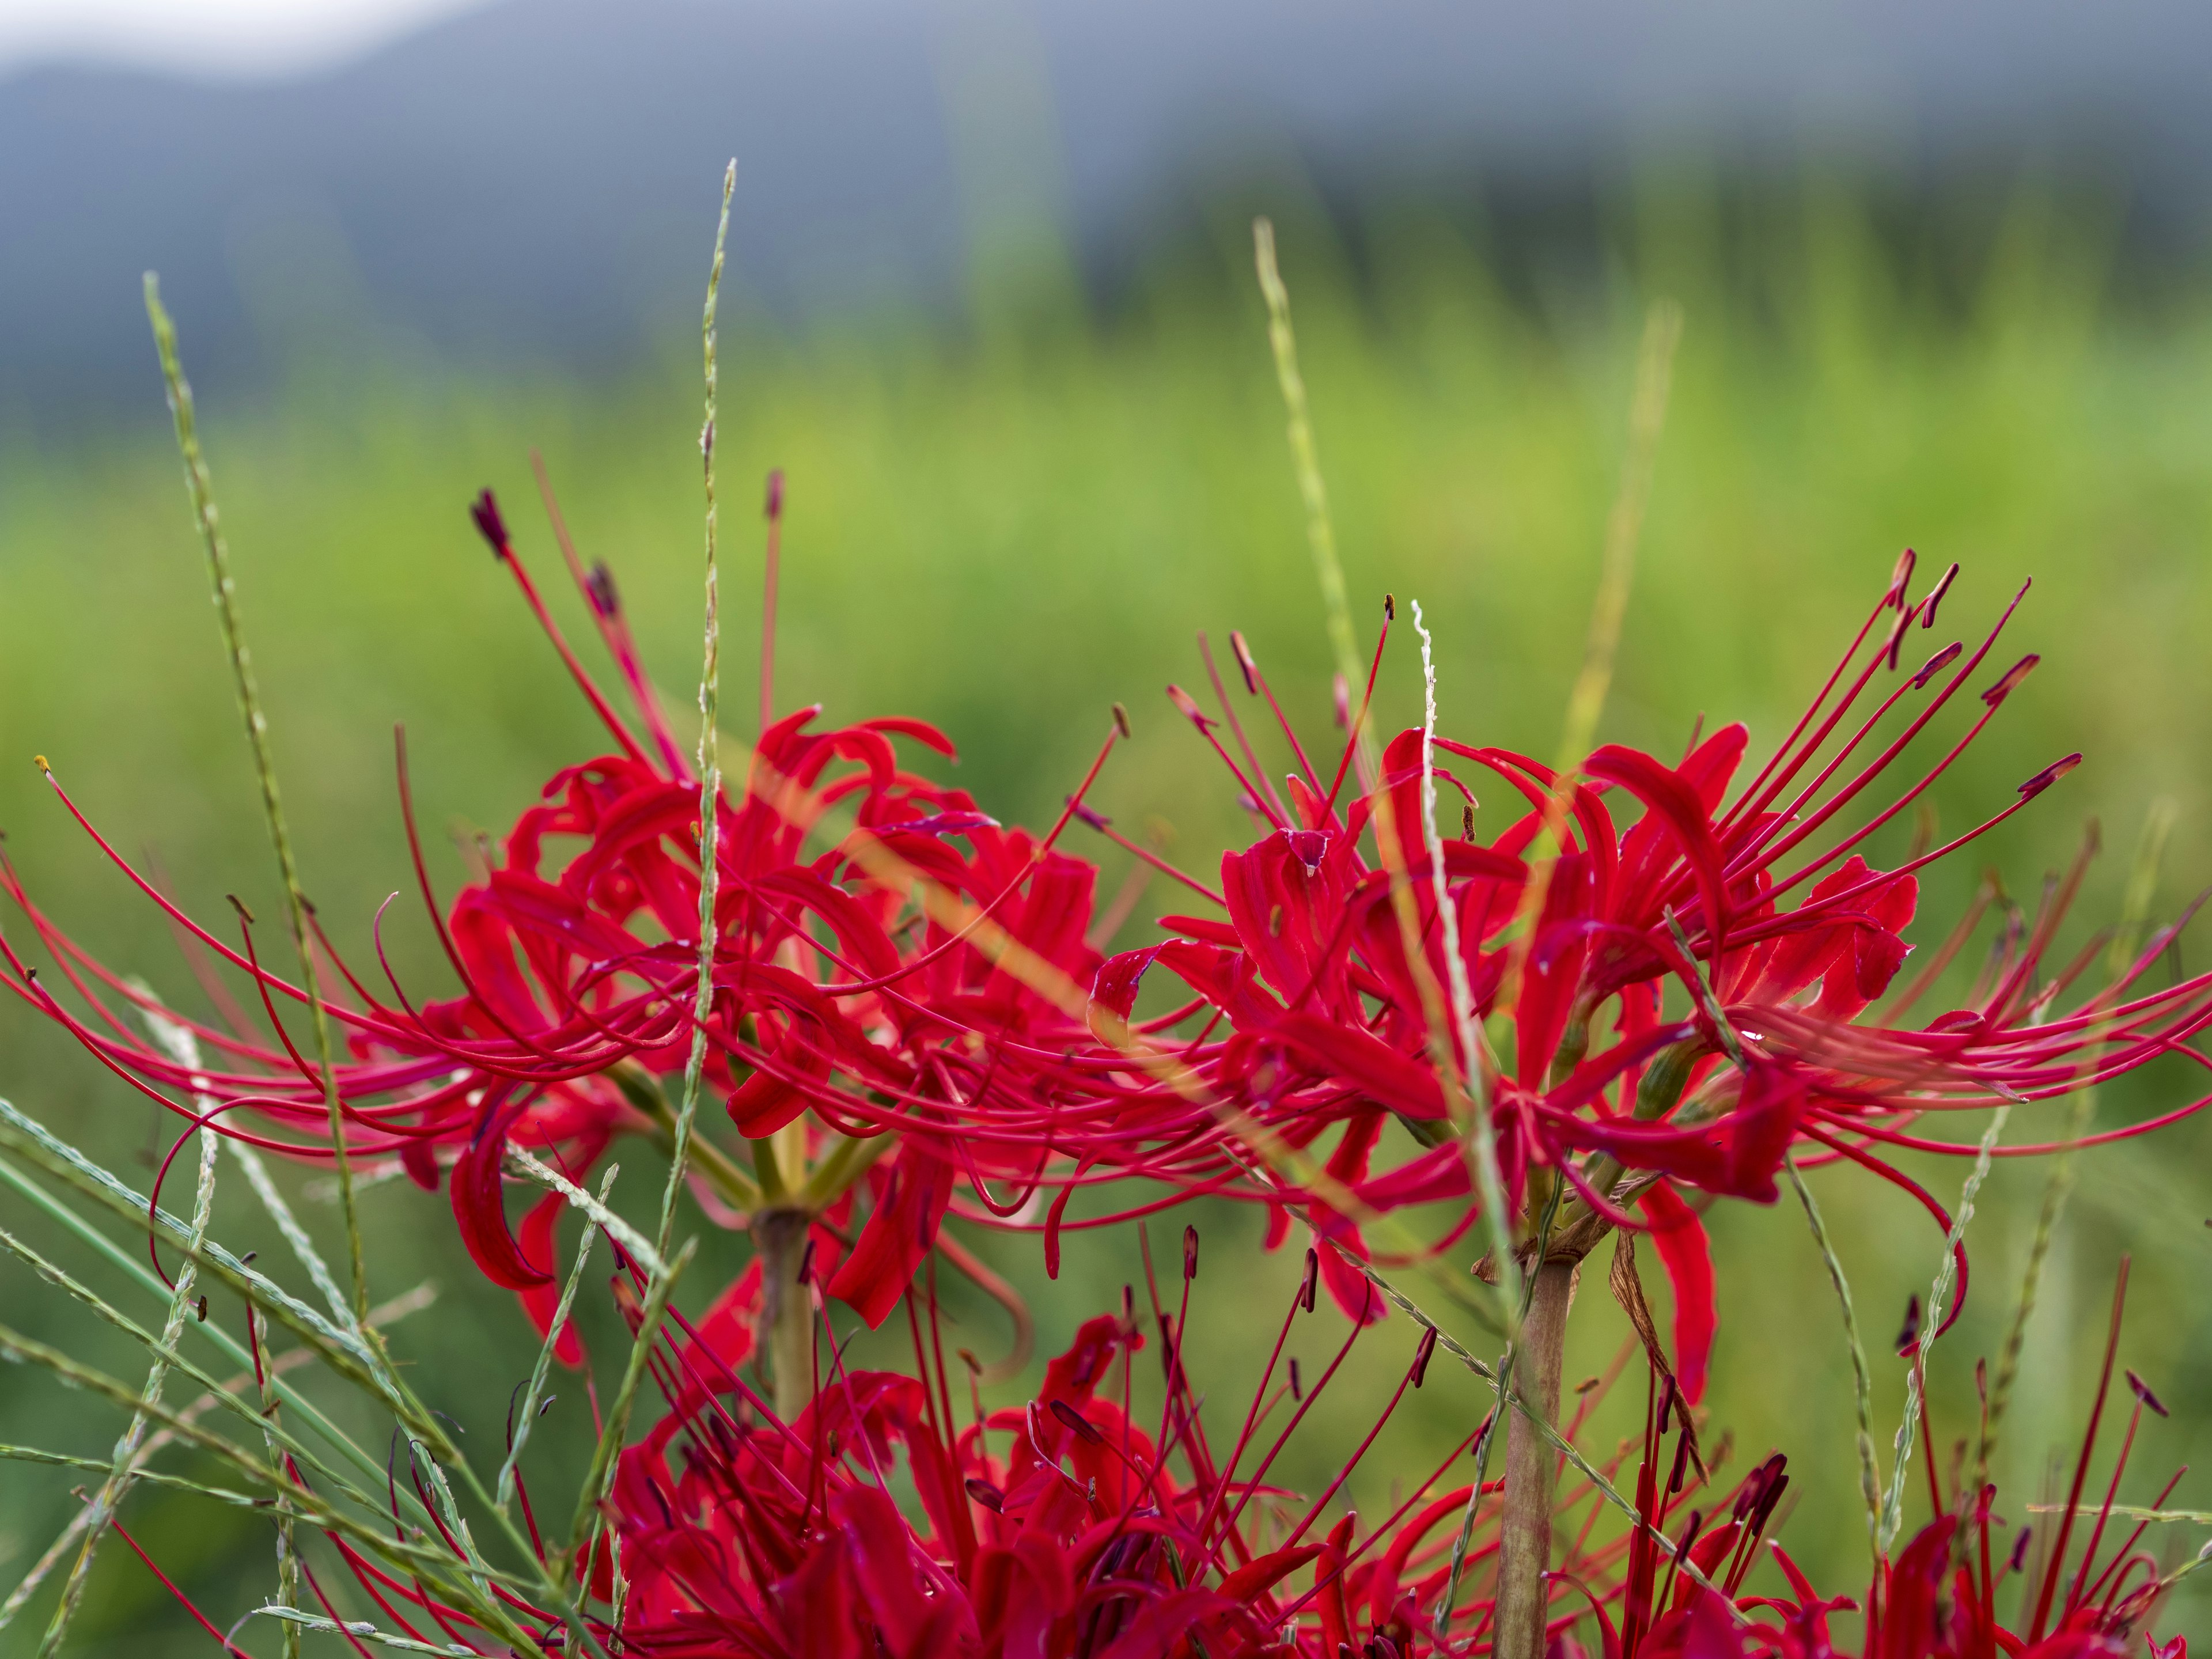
(1678, 974)
(1079, 1526)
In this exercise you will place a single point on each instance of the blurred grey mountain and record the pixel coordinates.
(531, 181)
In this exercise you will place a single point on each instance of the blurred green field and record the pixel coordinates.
(1004, 531)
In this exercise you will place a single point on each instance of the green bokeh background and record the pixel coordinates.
(1007, 525)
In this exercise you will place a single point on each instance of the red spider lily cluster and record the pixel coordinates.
(1080, 1524)
(1669, 979)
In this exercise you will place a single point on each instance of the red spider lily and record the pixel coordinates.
(1695, 992)
(1077, 1525)
(839, 993)
(1937, 1597)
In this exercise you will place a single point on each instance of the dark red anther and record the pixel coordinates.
(2144, 1394)
(484, 512)
(1465, 822)
(1077, 1422)
(1189, 1254)
(1421, 1355)
(2049, 775)
(1935, 665)
(1389, 608)
(1313, 1280)
(600, 584)
(1682, 1464)
(1900, 577)
(1096, 820)
(1769, 1499)
(773, 505)
(806, 1262)
(1909, 1337)
(1935, 595)
(2019, 1549)
(1244, 663)
(1896, 646)
(2013, 675)
(1187, 707)
(987, 1495)
(1296, 1393)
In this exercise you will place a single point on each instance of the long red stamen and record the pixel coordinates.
(2058, 1563)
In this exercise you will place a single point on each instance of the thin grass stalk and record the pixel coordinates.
(1939, 1293)
(1470, 1036)
(291, 1359)
(1599, 1483)
(342, 1352)
(1321, 529)
(1465, 1536)
(266, 1421)
(287, 1538)
(361, 1630)
(1526, 1524)
(710, 777)
(2130, 1512)
(138, 1475)
(201, 488)
(1489, 1178)
(135, 1269)
(600, 1216)
(1465, 1089)
(2058, 1184)
(2058, 1187)
(120, 1476)
(601, 1475)
(264, 1188)
(503, 1487)
(434, 1565)
(1862, 1384)
(1623, 530)
(91, 1178)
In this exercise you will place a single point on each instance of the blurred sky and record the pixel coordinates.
(228, 37)
(503, 182)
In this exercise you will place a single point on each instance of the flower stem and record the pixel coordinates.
(787, 1309)
(1532, 1468)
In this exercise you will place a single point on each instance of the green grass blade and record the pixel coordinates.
(117, 1487)
(201, 488)
(135, 1269)
(1938, 1294)
(602, 1471)
(503, 1488)
(710, 777)
(1862, 1384)
(150, 1477)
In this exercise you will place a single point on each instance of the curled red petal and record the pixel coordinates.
(541, 1300)
(481, 1213)
(1687, 1254)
